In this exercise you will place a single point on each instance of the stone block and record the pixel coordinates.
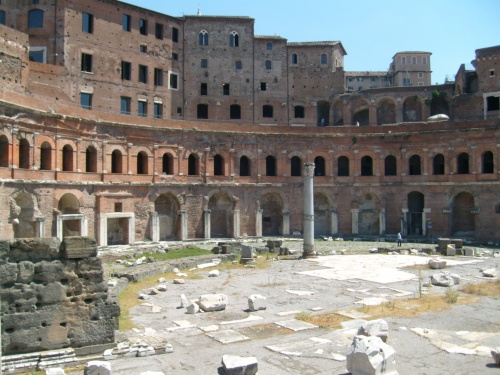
(442, 279)
(214, 273)
(55, 371)
(442, 243)
(437, 264)
(458, 242)
(490, 272)
(247, 251)
(256, 302)
(34, 249)
(4, 249)
(193, 307)
(213, 302)
(376, 328)
(468, 251)
(8, 273)
(496, 355)
(97, 368)
(78, 247)
(370, 356)
(450, 250)
(235, 365)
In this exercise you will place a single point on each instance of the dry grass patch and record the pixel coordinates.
(487, 289)
(327, 320)
(262, 331)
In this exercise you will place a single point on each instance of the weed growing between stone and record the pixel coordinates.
(487, 289)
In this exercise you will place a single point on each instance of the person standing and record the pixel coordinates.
(400, 239)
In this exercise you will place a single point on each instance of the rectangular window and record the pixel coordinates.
(173, 81)
(158, 77)
(406, 82)
(420, 83)
(424, 60)
(143, 73)
(158, 110)
(204, 63)
(38, 54)
(225, 89)
(125, 105)
(179, 110)
(420, 75)
(175, 56)
(2, 17)
(373, 79)
(204, 89)
(143, 48)
(87, 23)
(360, 79)
(159, 31)
(403, 60)
(269, 65)
(142, 108)
(492, 72)
(269, 46)
(263, 86)
(238, 65)
(492, 103)
(86, 63)
(414, 60)
(86, 100)
(126, 21)
(175, 35)
(143, 26)
(126, 71)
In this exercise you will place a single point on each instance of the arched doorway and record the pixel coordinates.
(321, 215)
(412, 109)
(415, 215)
(67, 158)
(45, 157)
(167, 207)
(319, 166)
(368, 220)
(4, 151)
(272, 214)
(221, 213)
(386, 112)
(23, 214)
(295, 166)
(462, 221)
(69, 205)
(323, 113)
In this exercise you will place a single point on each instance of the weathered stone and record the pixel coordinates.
(235, 365)
(442, 279)
(179, 281)
(78, 247)
(377, 328)
(193, 307)
(442, 243)
(213, 302)
(162, 280)
(256, 302)
(490, 272)
(458, 242)
(468, 251)
(496, 355)
(247, 251)
(8, 273)
(34, 249)
(370, 356)
(55, 371)
(451, 250)
(456, 278)
(161, 288)
(4, 249)
(169, 348)
(437, 264)
(97, 368)
(108, 355)
(184, 301)
(214, 273)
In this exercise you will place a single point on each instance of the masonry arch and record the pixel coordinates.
(338, 112)
(142, 163)
(219, 169)
(221, 214)
(487, 163)
(22, 212)
(45, 156)
(295, 166)
(369, 218)
(167, 165)
(390, 165)
(343, 166)
(167, 208)
(116, 161)
(322, 215)
(245, 166)
(438, 164)
(463, 163)
(439, 104)
(412, 109)
(271, 169)
(386, 111)
(272, 214)
(319, 166)
(414, 165)
(463, 220)
(24, 153)
(91, 159)
(67, 158)
(323, 113)
(4, 151)
(69, 205)
(360, 112)
(193, 164)
(366, 166)
(414, 219)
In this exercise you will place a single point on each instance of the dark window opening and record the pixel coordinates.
(204, 63)
(168, 164)
(218, 165)
(125, 105)
(270, 166)
(269, 46)
(173, 81)
(493, 103)
(4, 151)
(143, 26)
(37, 56)
(267, 111)
(263, 86)
(319, 166)
(193, 165)
(488, 164)
(67, 158)
(159, 31)
(390, 166)
(234, 40)
(158, 110)
(45, 157)
(24, 154)
(299, 111)
(204, 89)
(203, 38)
(142, 108)
(414, 166)
(87, 23)
(158, 77)
(2, 17)
(86, 100)
(294, 58)
(225, 89)
(86, 63)
(126, 71)
(142, 163)
(118, 207)
(175, 35)
(143, 48)
(324, 59)
(175, 56)
(295, 166)
(269, 64)
(366, 166)
(463, 163)
(116, 162)
(143, 74)
(202, 111)
(238, 64)
(126, 22)
(35, 19)
(343, 166)
(244, 166)
(438, 164)
(235, 112)
(91, 160)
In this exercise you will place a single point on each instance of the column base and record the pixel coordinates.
(309, 251)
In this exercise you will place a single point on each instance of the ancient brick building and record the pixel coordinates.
(126, 124)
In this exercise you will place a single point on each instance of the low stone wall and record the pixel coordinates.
(54, 295)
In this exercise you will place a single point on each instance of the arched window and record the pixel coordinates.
(234, 39)
(299, 111)
(438, 164)
(414, 168)
(269, 64)
(235, 112)
(244, 166)
(343, 166)
(142, 163)
(319, 166)
(45, 156)
(203, 38)
(295, 59)
(390, 166)
(24, 154)
(67, 158)
(463, 163)
(35, 19)
(116, 162)
(324, 59)
(167, 164)
(366, 166)
(202, 111)
(270, 166)
(4, 151)
(295, 166)
(193, 165)
(91, 160)
(267, 111)
(487, 161)
(218, 165)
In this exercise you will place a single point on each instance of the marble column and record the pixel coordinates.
(355, 220)
(404, 217)
(40, 227)
(236, 223)
(286, 223)
(308, 221)
(258, 222)
(184, 224)
(206, 223)
(424, 221)
(334, 221)
(382, 222)
(155, 227)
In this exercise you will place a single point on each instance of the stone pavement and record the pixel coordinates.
(453, 342)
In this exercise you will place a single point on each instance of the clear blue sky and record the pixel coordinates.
(371, 31)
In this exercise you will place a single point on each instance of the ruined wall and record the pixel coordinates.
(14, 55)
(54, 295)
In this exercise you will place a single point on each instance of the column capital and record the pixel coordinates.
(309, 169)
